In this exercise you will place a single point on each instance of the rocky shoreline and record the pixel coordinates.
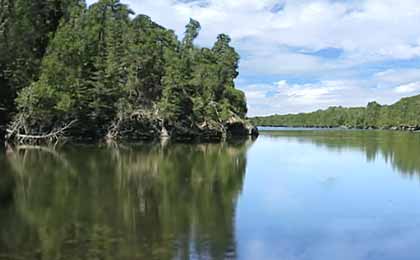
(138, 128)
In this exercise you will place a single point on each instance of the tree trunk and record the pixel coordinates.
(2, 139)
(3, 124)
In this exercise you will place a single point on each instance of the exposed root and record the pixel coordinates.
(140, 124)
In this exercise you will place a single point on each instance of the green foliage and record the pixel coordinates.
(404, 113)
(26, 27)
(101, 65)
(191, 33)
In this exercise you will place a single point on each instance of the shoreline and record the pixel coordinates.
(208, 134)
(413, 129)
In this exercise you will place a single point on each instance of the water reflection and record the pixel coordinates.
(144, 202)
(401, 149)
(315, 195)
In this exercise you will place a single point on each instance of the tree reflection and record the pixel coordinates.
(401, 149)
(172, 201)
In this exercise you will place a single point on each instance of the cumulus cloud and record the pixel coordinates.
(344, 43)
(408, 88)
(283, 97)
(397, 76)
(377, 28)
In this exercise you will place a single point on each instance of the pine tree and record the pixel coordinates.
(228, 60)
(103, 68)
(177, 103)
(26, 28)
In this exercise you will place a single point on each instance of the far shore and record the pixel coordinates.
(393, 128)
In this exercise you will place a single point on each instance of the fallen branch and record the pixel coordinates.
(54, 135)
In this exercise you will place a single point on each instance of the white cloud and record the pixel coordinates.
(255, 94)
(307, 94)
(397, 76)
(373, 29)
(408, 88)
(276, 38)
(283, 98)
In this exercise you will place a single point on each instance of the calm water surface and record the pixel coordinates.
(293, 194)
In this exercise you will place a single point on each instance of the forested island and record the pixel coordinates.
(403, 115)
(100, 72)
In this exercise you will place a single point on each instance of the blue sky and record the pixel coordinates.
(302, 55)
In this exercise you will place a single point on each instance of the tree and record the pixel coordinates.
(191, 33)
(401, 115)
(104, 69)
(228, 60)
(373, 110)
(177, 103)
(148, 43)
(26, 28)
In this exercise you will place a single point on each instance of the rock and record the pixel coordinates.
(141, 127)
(183, 134)
(236, 127)
(211, 134)
(253, 131)
(179, 131)
(405, 128)
(413, 128)
(164, 133)
(137, 128)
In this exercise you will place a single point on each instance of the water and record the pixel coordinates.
(293, 194)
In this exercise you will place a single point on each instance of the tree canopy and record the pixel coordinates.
(103, 67)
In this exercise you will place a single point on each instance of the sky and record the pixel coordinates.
(304, 55)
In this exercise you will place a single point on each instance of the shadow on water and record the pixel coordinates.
(170, 201)
(401, 149)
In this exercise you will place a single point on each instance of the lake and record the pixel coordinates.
(290, 194)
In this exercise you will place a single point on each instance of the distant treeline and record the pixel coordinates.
(403, 115)
(110, 73)
(398, 148)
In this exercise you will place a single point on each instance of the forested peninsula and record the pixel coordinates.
(403, 115)
(100, 72)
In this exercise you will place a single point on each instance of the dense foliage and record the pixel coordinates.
(26, 27)
(110, 72)
(402, 115)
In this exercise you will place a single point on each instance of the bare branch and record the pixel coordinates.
(56, 134)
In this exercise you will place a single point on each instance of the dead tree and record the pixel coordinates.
(15, 135)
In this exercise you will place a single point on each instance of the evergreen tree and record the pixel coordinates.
(177, 103)
(228, 60)
(103, 68)
(26, 27)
